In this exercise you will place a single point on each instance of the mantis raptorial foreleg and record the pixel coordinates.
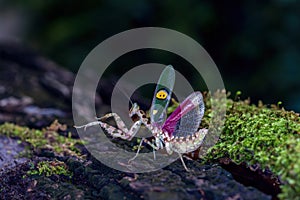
(120, 132)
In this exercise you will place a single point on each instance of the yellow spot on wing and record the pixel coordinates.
(154, 112)
(162, 94)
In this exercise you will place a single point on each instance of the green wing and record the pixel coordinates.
(162, 96)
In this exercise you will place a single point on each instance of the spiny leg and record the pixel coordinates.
(128, 135)
(110, 129)
(89, 124)
(120, 124)
(120, 133)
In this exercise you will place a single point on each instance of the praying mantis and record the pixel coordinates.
(179, 133)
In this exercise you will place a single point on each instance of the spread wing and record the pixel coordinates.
(185, 120)
(162, 96)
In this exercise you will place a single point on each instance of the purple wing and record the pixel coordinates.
(185, 120)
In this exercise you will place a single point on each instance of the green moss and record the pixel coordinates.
(49, 168)
(47, 138)
(268, 136)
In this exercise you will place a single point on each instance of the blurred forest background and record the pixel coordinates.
(255, 44)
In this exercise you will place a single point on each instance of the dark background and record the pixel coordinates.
(255, 44)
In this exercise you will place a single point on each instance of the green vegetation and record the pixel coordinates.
(43, 139)
(49, 168)
(267, 136)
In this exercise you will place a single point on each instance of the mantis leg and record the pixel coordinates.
(139, 148)
(120, 124)
(183, 162)
(154, 147)
(137, 153)
(120, 132)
